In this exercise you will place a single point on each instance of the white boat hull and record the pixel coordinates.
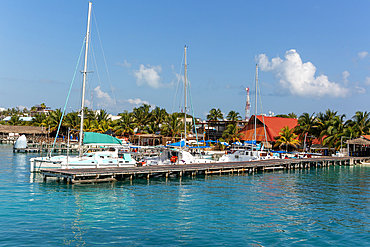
(93, 160)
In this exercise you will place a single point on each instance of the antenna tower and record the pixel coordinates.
(247, 106)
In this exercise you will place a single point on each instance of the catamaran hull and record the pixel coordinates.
(37, 164)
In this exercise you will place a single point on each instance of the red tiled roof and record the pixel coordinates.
(366, 137)
(273, 127)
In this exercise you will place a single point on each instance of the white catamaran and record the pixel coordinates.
(110, 157)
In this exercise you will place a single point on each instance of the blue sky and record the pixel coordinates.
(312, 55)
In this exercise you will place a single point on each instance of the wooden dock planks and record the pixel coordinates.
(94, 175)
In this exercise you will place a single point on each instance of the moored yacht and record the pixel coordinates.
(108, 156)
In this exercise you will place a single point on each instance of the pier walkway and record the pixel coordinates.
(95, 175)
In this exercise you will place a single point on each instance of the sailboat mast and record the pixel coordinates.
(84, 80)
(185, 82)
(255, 115)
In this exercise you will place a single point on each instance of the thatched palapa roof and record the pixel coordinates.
(28, 130)
(363, 140)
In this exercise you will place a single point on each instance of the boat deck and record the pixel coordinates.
(95, 175)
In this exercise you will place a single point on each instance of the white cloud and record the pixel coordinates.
(125, 64)
(360, 89)
(299, 78)
(363, 54)
(367, 81)
(137, 101)
(345, 77)
(103, 98)
(88, 103)
(149, 77)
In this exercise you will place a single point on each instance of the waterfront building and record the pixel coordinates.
(265, 128)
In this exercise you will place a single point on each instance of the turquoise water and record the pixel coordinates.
(315, 207)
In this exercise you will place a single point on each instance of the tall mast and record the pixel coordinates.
(185, 82)
(84, 80)
(255, 115)
(247, 106)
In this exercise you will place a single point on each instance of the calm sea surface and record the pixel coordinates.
(315, 207)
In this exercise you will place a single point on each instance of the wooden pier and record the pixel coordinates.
(96, 175)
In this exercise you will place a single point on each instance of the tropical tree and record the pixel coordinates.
(333, 132)
(104, 126)
(124, 125)
(89, 114)
(152, 128)
(173, 125)
(15, 120)
(39, 120)
(90, 125)
(286, 138)
(307, 125)
(25, 111)
(141, 116)
(233, 116)
(324, 120)
(232, 133)
(215, 114)
(290, 115)
(158, 115)
(54, 119)
(72, 121)
(361, 123)
(102, 115)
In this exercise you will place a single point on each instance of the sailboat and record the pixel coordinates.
(250, 151)
(106, 158)
(172, 155)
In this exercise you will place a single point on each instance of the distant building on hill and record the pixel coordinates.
(38, 109)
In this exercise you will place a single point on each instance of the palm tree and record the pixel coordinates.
(91, 125)
(361, 122)
(89, 114)
(54, 119)
(15, 120)
(233, 116)
(151, 128)
(158, 115)
(102, 115)
(307, 126)
(124, 125)
(292, 115)
(232, 133)
(324, 121)
(72, 121)
(141, 116)
(334, 131)
(215, 114)
(173, 125)
(104, 126)
(39, 120)
(287, 138)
